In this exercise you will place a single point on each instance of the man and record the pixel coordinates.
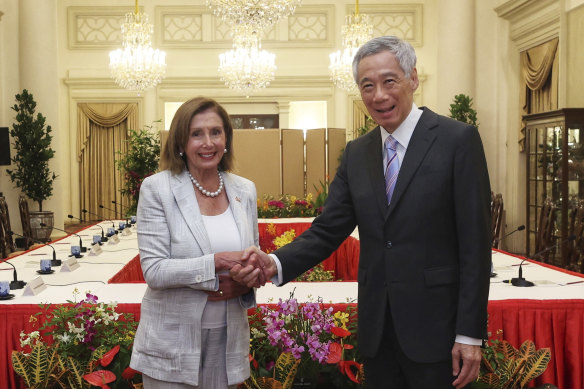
(425, 236)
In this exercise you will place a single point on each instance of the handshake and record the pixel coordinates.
(251, 267)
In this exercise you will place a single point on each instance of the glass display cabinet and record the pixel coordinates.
(555, 170)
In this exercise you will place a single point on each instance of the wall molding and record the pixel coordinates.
(531, 22)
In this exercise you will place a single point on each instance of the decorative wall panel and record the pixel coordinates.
(305, 27)
(95, 27)
(402, 20)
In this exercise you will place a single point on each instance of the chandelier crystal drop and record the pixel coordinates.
(356, 31)
(137, 66)
(247, 68)
(260, 14)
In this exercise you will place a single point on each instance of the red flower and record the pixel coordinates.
(340, 332)
(335, 353)
(129, 373)
(350, 369)
(100, 378)
(109, 356)
(253, 361)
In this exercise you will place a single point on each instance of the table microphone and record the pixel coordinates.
(81, 248)
(103, 237)
(128, 222)
(520, 281)
(54, 261)
(109, 209)
(100, 218)
(520, 228)
(16, 284)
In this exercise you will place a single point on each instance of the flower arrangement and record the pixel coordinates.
(139, 162)
(78, 345)
(272, 241)
(320, 341)
(287, 206)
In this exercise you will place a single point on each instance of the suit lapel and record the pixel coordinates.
(184, 194)
(374, 158)
(236, 197)
(420, 142)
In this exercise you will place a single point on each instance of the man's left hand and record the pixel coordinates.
(469, 357)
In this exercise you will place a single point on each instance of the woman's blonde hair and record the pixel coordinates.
(179, 134)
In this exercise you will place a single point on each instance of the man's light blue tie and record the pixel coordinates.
(392, 167)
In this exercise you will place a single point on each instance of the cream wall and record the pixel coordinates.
(463, 46)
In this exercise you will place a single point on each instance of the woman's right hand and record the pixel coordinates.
(228, 289)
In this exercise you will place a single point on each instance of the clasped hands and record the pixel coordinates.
(250, 268)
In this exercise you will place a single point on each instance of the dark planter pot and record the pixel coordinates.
(39, 233)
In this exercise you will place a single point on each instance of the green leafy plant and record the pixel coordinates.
(140, 161)
(78, 345)
(505, 367)
(462, 110)
(32, 145)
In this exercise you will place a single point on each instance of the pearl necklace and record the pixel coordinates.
(203, 190)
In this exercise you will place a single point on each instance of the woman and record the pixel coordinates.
(194, 220)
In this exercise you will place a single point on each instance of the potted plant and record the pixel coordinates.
(32, 143)
(139, 162)
(462, 110)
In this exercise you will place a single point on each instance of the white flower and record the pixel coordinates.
(65, 338)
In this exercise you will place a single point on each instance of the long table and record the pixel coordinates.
(551, 313)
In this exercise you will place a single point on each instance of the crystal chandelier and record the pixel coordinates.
(246, 68)
(259, 14)
(137, 66)
(356, 31)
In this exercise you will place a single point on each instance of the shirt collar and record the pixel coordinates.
(403, 133)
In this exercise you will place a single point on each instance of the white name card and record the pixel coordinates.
(126, 232)
(70, 265)
(34, 287)
(95, 250)
(114, 239)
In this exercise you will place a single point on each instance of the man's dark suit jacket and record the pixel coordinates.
(427, 255)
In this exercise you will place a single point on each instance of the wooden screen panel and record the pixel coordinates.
(257, 157)
(292, 162)
(336, 145)
(315, 159)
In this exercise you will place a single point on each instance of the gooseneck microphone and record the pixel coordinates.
(81, 248)
(54, 261)
(520, 281)
(100, 218)
(109, 209)
(16, 283)
(103, 237)
(128, 223)
(499, 239)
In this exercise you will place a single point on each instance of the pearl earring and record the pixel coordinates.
(181, 154)
(224, 150)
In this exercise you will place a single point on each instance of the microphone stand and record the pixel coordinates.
(16, 283)
(522, 282)
(123, 206)
(113, 210)
(499, 239)
(54, 261)
(81, 248)
(100, 218)
(103, 237)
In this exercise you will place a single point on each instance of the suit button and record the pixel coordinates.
(388, 244)
(198, 278)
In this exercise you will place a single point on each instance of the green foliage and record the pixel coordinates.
(368, 126)
(462, 110)
(140, 161)
(32, 145)
(505, 367)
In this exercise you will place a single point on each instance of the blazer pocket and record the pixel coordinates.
(441, 276)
